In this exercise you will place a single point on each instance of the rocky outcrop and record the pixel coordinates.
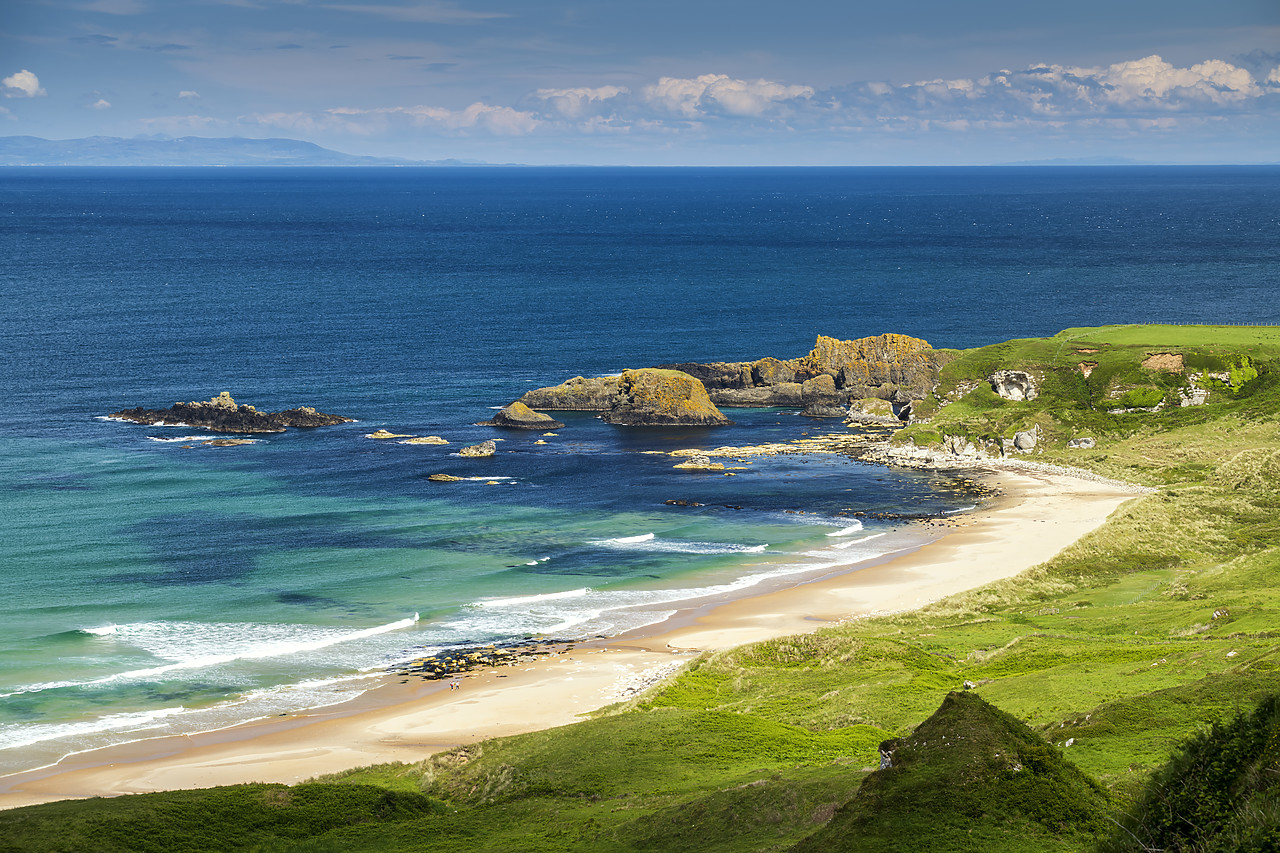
(223, 414)
(576, 395)
(654, 397)
(1014, 385)
(519, 416)
(872, 411)
(699, 463)
(646, 397)
(1084, 443)
(897, 368)
(476, 451)
(821, 399)
(886, 367)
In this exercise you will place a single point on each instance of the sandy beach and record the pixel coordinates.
(407, 719)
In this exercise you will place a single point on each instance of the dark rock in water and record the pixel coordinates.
(682, 502)
(223, 414)
(653, 397)
(519, 416)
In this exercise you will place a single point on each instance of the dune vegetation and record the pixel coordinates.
(1072, 707)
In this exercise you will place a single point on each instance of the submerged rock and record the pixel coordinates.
(223, 414)
(383, 434)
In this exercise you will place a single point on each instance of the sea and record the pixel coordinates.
(151, 584)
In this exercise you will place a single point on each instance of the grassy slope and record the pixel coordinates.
(1125, 644)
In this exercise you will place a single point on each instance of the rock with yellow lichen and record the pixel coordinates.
(654, 397)
(888, 367)
(578, 394)
(520, 416)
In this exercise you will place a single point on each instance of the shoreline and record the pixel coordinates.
(406, 719)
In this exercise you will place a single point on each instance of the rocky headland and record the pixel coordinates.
(646, 397)
(223, 414)
(882, 375)
(895, 368)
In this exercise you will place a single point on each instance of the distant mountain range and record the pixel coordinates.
(188, 151)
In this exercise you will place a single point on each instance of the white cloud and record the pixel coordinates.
(1128, 91)
(574, 103)
(24, 84)
(718, 93)
(1274, 76)
(187, 94)
(1152, 78)
(100, 104)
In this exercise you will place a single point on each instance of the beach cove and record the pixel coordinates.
(1037, 515)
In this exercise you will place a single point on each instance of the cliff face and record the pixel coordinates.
(223, 414)
(887, 367)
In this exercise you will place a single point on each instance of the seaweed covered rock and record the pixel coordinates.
(968, 777)
(519, 416)
(654, 397)
(224, 414)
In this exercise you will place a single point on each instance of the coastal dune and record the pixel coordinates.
(406, 719)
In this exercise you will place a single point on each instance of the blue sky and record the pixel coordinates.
(802, 82)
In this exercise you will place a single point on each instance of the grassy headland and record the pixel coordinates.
(1116, 652)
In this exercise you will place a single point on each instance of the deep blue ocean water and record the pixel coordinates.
(149, 586)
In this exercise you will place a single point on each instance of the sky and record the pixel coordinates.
(660, 82)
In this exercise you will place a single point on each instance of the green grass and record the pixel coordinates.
(1128, 643)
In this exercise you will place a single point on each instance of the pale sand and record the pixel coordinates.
(1039, 515)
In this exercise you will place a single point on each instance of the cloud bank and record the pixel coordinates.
(1141, 94)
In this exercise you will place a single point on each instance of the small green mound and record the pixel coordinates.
(1219, 794)
(970, 777)
(239, 817)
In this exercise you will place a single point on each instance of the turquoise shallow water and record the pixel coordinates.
(150, 586)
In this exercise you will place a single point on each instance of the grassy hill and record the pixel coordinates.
(1116, 653)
